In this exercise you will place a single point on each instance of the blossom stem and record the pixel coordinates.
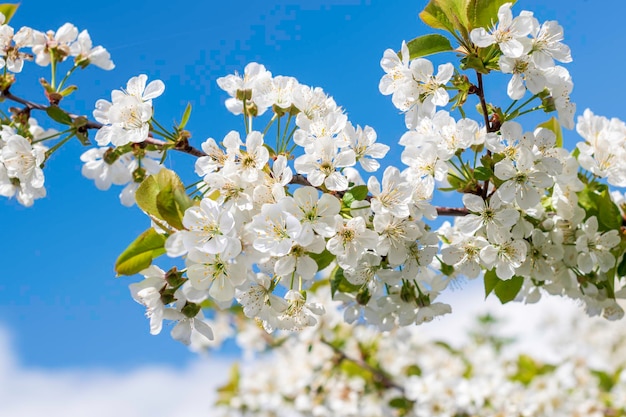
(51, 136)
(521, 106)
(269, 124)
(67, 76)
(58, 145)
(531, 110)
(163, 131)
(53, 69)
(508, 109)
(278, 141)
(285, 139)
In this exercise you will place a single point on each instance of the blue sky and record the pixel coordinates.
(58, 294)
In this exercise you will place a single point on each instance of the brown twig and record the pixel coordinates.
(184, 146)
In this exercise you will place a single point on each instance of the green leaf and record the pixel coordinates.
(491, 280)
(359, 192)
(435, 17)
(163, 196)
(483, 173)
(456, 11)
(484, 13)
(554, 125)
(80, 131)
(428, 45)
(185, 118)
(413, 370)
(68, 90)
(528, 369)
(230, 389)
(596, 201)
(139, 254)
(338, 282)
(8, 10)
(322, 259)
(59, 115)
(449, 15)
(401, 403)
(507, 290)
(168, 208)
(474, 62)
(606, 380)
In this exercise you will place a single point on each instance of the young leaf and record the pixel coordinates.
(484, 13)
(597, 202)
(139, 254)
(338, 282)
(359, 192)
(163, 196)
(507, 290)
(185, 118)
(8, 10)
(322, 259)
(58, 115)
(168, 208)
(483, 173)
(428, 45)
(491, 280)
(435, 17)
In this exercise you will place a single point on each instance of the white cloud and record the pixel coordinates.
(142, 392)
(524, 322)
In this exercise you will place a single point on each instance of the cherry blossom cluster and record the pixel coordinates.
(603, 153)
(529, 50)
(51, 46)
(296, 199)
(340, 370)
(264, 231)
(21, 158)
(22, 153)
(108, 166)
(125, 125)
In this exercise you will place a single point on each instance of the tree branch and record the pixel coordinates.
(184, 146)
